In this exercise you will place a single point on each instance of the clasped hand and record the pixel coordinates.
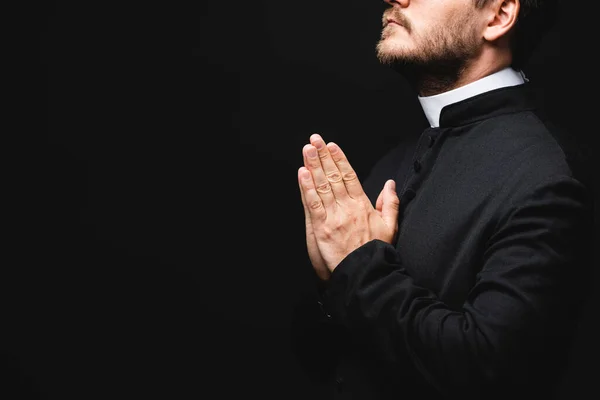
(338, 214)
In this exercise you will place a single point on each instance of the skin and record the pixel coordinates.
(339, 215)
(438, 45)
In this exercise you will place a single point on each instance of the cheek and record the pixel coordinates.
(464, 25)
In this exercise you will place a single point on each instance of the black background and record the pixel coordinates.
(163, 244)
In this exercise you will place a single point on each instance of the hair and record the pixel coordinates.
(535, 19)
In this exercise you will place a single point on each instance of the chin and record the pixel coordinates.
(389, 50)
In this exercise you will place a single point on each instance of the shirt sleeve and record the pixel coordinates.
(312, 328)
(528, 281)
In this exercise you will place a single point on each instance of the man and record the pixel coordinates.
(457, 268)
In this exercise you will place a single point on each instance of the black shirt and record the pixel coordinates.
(480, 292)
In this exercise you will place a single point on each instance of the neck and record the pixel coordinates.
(436, 78)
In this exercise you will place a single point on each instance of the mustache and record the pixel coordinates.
(393, 14)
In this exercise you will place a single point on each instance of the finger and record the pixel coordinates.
(391, 204)
(321, 183)
(330, 169)
(311, 198)
(379, 202)
(306, 212)
(349, 176)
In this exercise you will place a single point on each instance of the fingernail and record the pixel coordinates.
(312, 152)
(332, 147)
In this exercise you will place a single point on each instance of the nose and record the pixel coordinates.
(401, 3)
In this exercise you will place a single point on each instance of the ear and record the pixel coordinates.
(502, 17)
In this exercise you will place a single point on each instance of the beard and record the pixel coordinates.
(438, 57)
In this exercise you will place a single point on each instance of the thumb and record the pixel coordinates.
(391, 204)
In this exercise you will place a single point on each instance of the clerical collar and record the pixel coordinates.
(432, 105)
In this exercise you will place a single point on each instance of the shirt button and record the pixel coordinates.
(417, 166)
(410, 194)
(431, 141)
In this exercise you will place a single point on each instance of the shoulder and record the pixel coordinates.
(529, 144)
